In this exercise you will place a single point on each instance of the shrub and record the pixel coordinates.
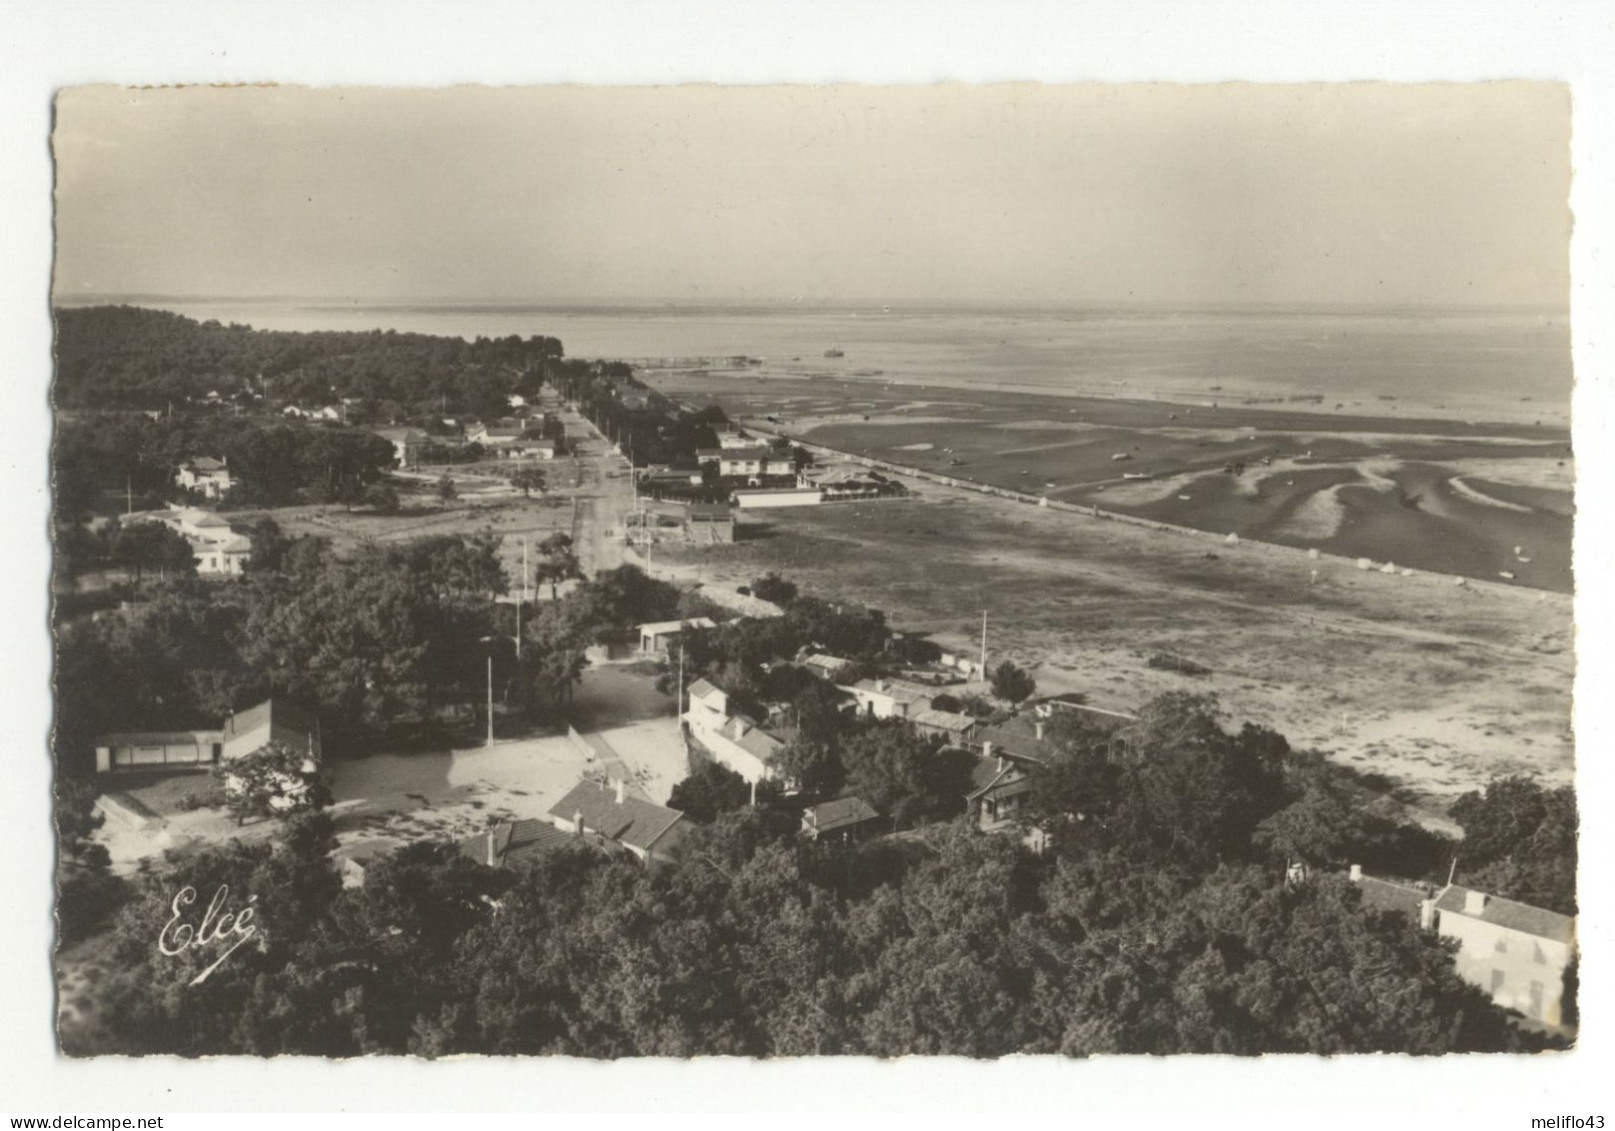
(1167, 662)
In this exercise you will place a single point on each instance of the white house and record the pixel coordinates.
(157, 749)
(653, 637)
(1517, 953)
(207, 475)
(733, 740)
(749, 462)
(889, 698)
(219, 550)
(407, 444)
(761, 497)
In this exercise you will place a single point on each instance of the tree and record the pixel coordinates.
(773, 588)
(143, 546)
(1241, 964)
(710, 789)
(1520, 842)
(381, 498)
(276, 780)
(269, 546)
(527, 480)
(814, 765)
(1010, 682)
(446, 490)
(900, 773)
(557, 562)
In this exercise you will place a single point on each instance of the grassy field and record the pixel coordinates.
(1437, 686)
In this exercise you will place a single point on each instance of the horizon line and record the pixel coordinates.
(882, 303)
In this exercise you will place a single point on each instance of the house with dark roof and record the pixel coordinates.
(515, 844)
(1021, 738)
(1517, 953)
(613, 817)
(273, 720)
(951, 726)
(998, 789)
(845, 818)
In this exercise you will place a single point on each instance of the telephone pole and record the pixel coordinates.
(983, 643)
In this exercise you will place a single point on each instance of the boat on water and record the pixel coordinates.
(1135, 475)
(834, 353)
(1505, 575)
(1121, 455)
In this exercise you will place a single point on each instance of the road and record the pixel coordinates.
(604, 496)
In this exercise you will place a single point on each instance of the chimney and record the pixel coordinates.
(618, 782)
(1000, 763)
(577, 821)
(1038, 726)
(1356, 873)
(986, 750)
(1474, 903)
(880, 685)
(1427, 914)
(492, 857)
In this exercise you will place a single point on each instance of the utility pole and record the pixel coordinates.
(678, 706)
(128, 495)
(983, 643)
(490, 696)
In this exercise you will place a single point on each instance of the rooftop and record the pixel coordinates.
(158, 738)
(751, 738)
(514, 843)
(826, 661)
(701, 688)
(275, 714)
(206, 463)
(838, 814)
(987, 773)
(663, 627)
(943, 720)
(1511, 915)
(633, 821)
(895, 689)
(1018, 737)
(1388, 895)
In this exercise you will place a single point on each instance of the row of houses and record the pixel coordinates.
(508, 438)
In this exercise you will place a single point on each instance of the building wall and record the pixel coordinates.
(1520, 971)
(199, 751)
(791, 498)
(878, 705)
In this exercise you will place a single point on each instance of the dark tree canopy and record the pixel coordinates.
(1520, 842)
(1011, 682)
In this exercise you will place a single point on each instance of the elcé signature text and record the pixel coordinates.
(219, 926)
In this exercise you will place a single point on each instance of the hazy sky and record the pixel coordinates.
(1352, 194)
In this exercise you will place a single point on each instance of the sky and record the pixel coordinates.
(1344, 194)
